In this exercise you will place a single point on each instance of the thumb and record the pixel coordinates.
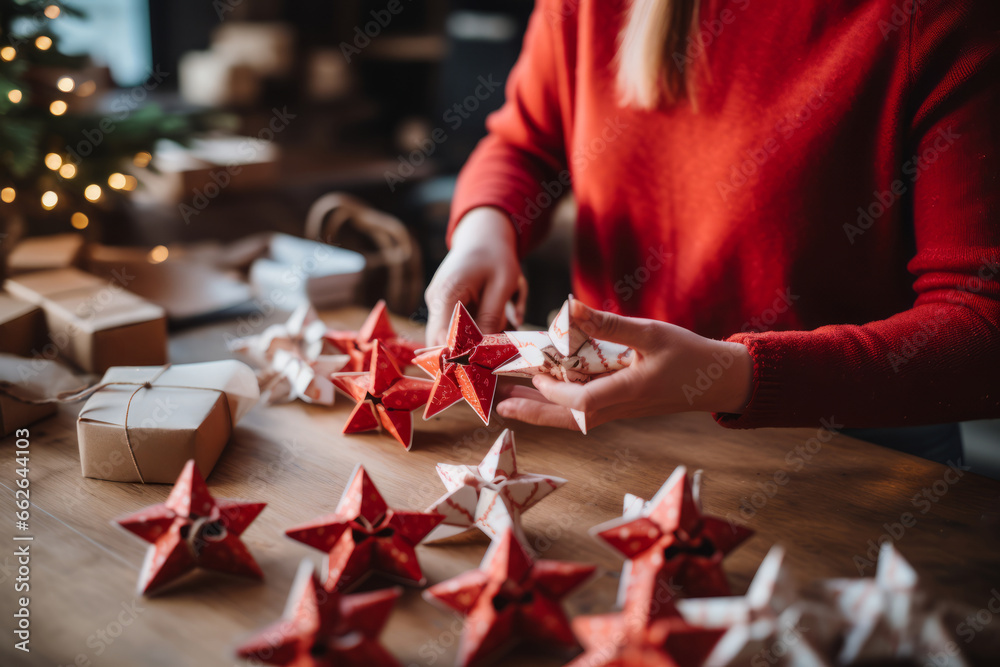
(630, 331)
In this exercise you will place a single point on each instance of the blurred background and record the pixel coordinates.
(240, 156)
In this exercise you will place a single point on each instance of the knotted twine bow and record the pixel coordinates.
(10, 389)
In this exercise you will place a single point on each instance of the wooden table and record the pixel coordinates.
(827, 502)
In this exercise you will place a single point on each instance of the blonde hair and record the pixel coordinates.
(655, 32)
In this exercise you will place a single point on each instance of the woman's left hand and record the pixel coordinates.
(673, 370)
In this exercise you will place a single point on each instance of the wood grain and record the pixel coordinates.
(824, 510)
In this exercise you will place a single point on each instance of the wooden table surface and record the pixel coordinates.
(826, 502)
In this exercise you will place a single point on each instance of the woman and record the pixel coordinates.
(791, 209)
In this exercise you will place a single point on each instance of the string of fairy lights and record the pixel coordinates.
(62, 165)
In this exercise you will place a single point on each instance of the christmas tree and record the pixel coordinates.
(65, 149)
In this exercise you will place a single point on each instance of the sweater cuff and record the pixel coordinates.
(763, 408)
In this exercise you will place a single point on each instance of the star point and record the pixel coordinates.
(359, 345)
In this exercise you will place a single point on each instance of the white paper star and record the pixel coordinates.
(490, 496)
(888, 617)
(566, 353)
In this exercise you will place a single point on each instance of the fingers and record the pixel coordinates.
(441, 300)
(595, 395)
(492, 308)
(536, 412)
(509, 390)
(631, 331)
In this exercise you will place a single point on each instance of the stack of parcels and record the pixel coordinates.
(22, 326)
(144, 424)
(94, 322)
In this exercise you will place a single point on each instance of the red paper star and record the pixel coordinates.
(360, 344)
(510, 597)
(364, 535)
(464, 367)
(192, 530)
(325, 629)
(385, 396)
(621, 641)
(674, 548)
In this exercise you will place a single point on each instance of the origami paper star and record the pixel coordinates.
(463, 368)
(566, 353)
(291, 361)
(364, 535)
(385, 396)
(616, 640)
(510, 597)
(890, 618)
(764, 623)
(492, 495)
(324, 628)
(191, 530)
(673, 547)
(360, 344)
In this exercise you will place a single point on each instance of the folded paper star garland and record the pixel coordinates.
(384, 397)
(193, 530)
(566, 353)
(765, 623)
(323, 628)
(890, 618)
(463, 368)
(292, 360)
(492, 495)
(360, 344)
(674, 549)
(364, 536)
(510, 597)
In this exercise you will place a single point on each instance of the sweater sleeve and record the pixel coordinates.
(940, 360)
(524, 150)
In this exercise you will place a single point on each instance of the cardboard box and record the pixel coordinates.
(23, 380)
(95, 322)
(39, 253)
(22, 326)
(131, 431)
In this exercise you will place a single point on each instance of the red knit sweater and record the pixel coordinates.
(833, 203)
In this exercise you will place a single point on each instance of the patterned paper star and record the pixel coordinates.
(193, 530)
(384, 396)
(360, 344)
(324, 628)
(291, 359)
(673, 547)
(364, 535)
(492, 495)
(615, 640)
(463, 368)
(566, 353)
(890, 618)
(510, 597)
(765, 622)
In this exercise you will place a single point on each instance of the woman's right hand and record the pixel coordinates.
(482, 269)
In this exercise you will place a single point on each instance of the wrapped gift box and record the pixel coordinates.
(304, 271)
(22, 326)
(38, 253)
(30, 379)
(95, 323)
(144, 424)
